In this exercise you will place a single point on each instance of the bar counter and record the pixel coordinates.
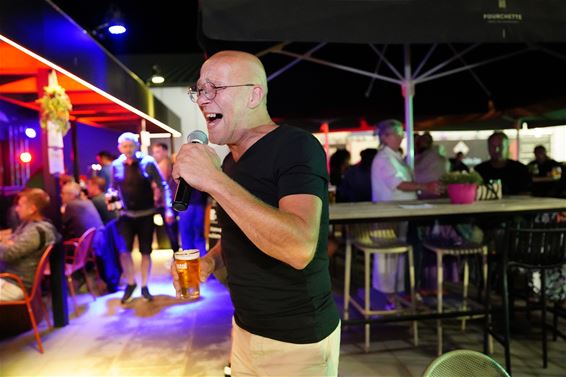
(441, 208)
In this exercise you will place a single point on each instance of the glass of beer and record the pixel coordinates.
(187, 264)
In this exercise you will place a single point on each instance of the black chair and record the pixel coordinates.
(533, 249)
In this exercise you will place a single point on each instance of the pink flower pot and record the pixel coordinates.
(462, 193)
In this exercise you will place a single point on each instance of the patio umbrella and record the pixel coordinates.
(380, 51)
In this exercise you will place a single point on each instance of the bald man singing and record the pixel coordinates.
(272, 189)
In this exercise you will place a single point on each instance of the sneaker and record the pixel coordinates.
(228, 370)
(146, 294)
(128, 293)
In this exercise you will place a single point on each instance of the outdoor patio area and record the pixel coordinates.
(168, 337)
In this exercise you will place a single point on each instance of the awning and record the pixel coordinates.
(104, 93)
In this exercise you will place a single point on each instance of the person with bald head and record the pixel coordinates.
(79, 214)
(430, 163)
(514, 175)
(272, 192)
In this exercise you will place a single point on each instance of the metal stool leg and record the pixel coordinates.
(465, 291)
(506, 328)
(543, 319)
(367, 258)
(347, 277)
(413, 296)
(485, 269)
(439, 302)
(555, 321)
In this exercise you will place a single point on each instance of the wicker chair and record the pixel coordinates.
(464, 363)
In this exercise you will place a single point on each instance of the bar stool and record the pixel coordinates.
(457, 251)
(371, 239)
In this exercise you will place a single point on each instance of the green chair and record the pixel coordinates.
(464, 363)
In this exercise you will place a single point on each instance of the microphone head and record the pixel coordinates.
(197, 136)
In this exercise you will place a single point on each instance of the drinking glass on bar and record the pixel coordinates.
(188, 266)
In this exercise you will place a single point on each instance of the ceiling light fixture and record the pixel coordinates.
(114, 23)
(156, 78)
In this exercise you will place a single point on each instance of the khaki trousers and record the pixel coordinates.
(10, 291)
(254, 355)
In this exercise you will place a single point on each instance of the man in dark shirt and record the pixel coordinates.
(272, 193)
(356, 183)
(457, 163)
(514, 175)
(105, 159)
(79, 214)
(545, 173)
(95, 189)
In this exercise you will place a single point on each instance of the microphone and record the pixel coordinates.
(184, 190)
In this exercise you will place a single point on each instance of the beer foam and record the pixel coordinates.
(189, 254)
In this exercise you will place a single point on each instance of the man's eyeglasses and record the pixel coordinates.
(209, 90)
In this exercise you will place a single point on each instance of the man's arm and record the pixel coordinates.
(288, 233)
(161, 184)
(23, 244)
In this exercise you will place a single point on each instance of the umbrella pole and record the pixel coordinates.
(408, 88)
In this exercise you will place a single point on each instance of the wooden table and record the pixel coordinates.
(441, 208)
(350, 213)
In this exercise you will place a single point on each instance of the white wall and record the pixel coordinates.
(178, 101)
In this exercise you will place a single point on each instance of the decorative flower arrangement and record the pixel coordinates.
(461, 177)
(55, 107)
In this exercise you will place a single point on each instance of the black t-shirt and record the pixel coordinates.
(543, 170)
(514, 176)
(271, 298)
(136, 190)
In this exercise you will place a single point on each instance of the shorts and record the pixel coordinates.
(129, 227)
(255, 355)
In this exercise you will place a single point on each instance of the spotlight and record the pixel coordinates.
(156, 78)
(116, 29)
(31, 133)
(157, 220)
(25, 157)
(114, 23)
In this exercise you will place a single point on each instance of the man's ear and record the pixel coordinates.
(256, 97)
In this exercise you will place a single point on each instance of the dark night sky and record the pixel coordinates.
(318, 92)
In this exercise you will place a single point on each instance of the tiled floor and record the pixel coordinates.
(172, 338)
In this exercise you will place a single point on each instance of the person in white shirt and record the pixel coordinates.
(393, 180)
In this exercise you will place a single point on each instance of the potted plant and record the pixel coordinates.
(461, 186)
